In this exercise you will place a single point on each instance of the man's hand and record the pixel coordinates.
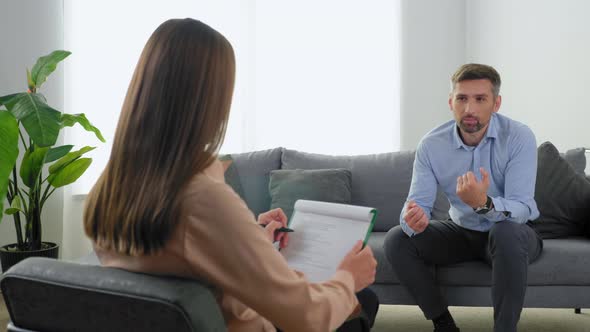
(472, 192)
(273, 220)
(415, 217)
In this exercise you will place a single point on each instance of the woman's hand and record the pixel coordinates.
(273, 220)
(361, 263)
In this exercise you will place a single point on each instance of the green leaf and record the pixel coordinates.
(69, 173)
(15, 206)
(46, 65)
(31, 166)
(6, 99)
(55, 153)
(68, 158)
(16, 203)
(68, 120)
(8, 152)
(41, 122)
(11, 211)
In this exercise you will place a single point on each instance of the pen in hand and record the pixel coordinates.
(281, 229)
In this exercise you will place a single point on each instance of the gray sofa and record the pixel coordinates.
(560, 278)
(41, 294)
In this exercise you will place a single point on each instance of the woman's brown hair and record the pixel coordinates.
(171, 126)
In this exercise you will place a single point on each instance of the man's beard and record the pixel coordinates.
(470, 129)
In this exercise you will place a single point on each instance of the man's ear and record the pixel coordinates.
(451, 101)
(498, 103)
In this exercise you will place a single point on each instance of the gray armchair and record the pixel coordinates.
(44, 294)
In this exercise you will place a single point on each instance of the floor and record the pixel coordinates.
(409, 318)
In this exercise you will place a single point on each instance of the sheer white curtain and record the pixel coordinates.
(317, 76)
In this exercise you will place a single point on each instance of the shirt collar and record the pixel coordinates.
(491, 132)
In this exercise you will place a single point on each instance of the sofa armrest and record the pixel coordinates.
(50, 295)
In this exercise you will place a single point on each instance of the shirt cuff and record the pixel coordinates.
(498, 212)
(407, 229)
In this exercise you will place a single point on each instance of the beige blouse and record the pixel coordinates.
(218, 240)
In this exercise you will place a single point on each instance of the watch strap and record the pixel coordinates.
(485, 208)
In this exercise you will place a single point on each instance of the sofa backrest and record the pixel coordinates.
(576, 158)
(249, 175)
(381, 181)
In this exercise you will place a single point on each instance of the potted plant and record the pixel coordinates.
(29, 129)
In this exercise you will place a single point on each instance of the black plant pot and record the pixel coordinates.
(9, 257)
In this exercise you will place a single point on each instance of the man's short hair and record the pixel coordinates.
(476, 71)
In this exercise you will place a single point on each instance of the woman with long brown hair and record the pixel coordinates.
(161, 205)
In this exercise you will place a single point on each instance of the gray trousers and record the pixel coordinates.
(508, 248)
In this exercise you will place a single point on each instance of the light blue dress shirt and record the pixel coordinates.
(508, 151)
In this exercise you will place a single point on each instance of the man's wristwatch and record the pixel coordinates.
(484, 208)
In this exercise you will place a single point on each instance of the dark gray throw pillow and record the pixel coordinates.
(562, 196)
(328, 185)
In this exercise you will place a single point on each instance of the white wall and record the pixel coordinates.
(542, 50)
(75, 243)
(300, 83)
(28, 30)
(433, 46)
(326, 76)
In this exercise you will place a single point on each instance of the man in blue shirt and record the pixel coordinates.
(486, 164)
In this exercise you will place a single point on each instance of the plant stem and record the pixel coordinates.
(16, 216)
(46, 195)
(22, 199)
(35, 209)
(22, 137)
(10, 195)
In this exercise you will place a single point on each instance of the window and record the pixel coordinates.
(317, 76)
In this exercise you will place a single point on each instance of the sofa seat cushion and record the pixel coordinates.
(385, 273)
(563, 262)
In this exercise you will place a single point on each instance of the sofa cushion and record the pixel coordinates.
(328, 185)
(562, 262)
(562, 196)
(253, 170)
(381, 181)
